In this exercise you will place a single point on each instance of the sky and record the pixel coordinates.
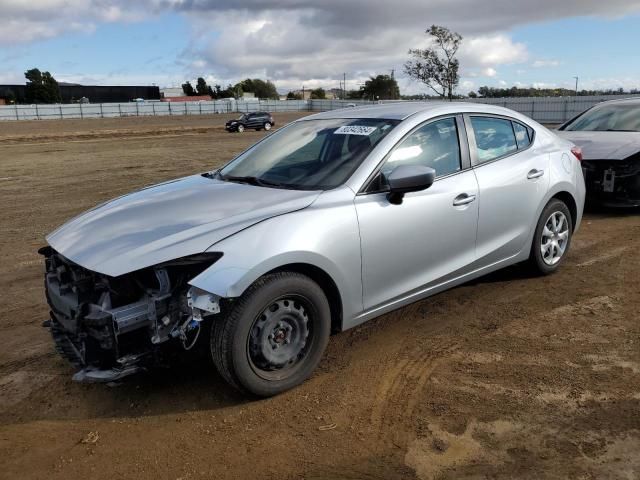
(544, 43)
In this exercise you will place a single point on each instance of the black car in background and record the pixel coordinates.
(255, 120)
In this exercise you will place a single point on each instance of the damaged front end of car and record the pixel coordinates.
(112, 327)
(613, 182)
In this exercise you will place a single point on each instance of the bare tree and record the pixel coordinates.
(437, 66)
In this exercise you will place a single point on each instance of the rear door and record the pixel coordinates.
(251, 120)
(513, 178)
(259, 120)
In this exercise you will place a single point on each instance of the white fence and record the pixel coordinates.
(550, 109)
(135, 109)
(542, 109)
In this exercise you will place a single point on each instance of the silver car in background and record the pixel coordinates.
(332, 220)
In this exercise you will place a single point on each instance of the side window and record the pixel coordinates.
(522, 135)
(433, 145)
(494, 137)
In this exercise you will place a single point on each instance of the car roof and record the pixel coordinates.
(403, 110)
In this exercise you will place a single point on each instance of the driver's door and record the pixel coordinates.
(432, 233)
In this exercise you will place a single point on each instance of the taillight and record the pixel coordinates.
(577, 152)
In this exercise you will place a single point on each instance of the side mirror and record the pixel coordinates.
(408, 178)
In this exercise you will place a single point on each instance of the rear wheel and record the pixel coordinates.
(274, 336)
(552, 238)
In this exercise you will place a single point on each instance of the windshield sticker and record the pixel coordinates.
(355, 130)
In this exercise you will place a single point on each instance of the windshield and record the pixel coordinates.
(309, 154)
(608, 118)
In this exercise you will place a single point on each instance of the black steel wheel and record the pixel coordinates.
(274, 335)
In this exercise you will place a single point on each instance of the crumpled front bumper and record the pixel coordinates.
(613, 183)
(87, 332)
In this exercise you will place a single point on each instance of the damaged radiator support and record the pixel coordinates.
(109, 342)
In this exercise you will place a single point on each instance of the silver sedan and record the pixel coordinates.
(334, 219)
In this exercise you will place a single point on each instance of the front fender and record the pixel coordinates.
(324, 235)
(229, 282)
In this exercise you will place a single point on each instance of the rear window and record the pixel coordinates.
(494, 137)
(523, 136)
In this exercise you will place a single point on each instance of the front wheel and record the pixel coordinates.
(267, 126)
(240, 128)
(552, 238)
(274, 335)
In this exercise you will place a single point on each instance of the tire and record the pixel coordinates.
(547, 260)
(262, 351)
(267, 126)
(240, 128)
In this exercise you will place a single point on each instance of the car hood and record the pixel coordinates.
(167, 221)
(604, 145)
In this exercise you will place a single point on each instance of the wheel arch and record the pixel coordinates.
(326, 283)
(232, 282)
(568, 199)
(562, 193)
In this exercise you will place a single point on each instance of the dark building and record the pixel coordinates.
(95, 93)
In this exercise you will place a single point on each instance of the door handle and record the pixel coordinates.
(463, 199)
(535, 174)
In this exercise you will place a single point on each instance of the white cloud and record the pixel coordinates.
(26, 21)
(627, 83)
(467, 85)
(545, 63)
(492, 50)
(306, 41)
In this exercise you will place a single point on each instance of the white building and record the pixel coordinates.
(171, 92)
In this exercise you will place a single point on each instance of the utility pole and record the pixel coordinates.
(576, 85)
(344, 86)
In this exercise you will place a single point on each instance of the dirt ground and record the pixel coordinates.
(511, 376)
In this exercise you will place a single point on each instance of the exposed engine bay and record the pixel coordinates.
(112, 327)
(614, 182)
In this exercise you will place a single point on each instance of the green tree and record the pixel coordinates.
(11, 97)
(318, 94)
(41, 87)
(226, 93)
(258, 87)
(188, 90)
(294, 96)
(216, 91)
(473, 95)
(201, 87)
(437, 66)
(383, 87)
